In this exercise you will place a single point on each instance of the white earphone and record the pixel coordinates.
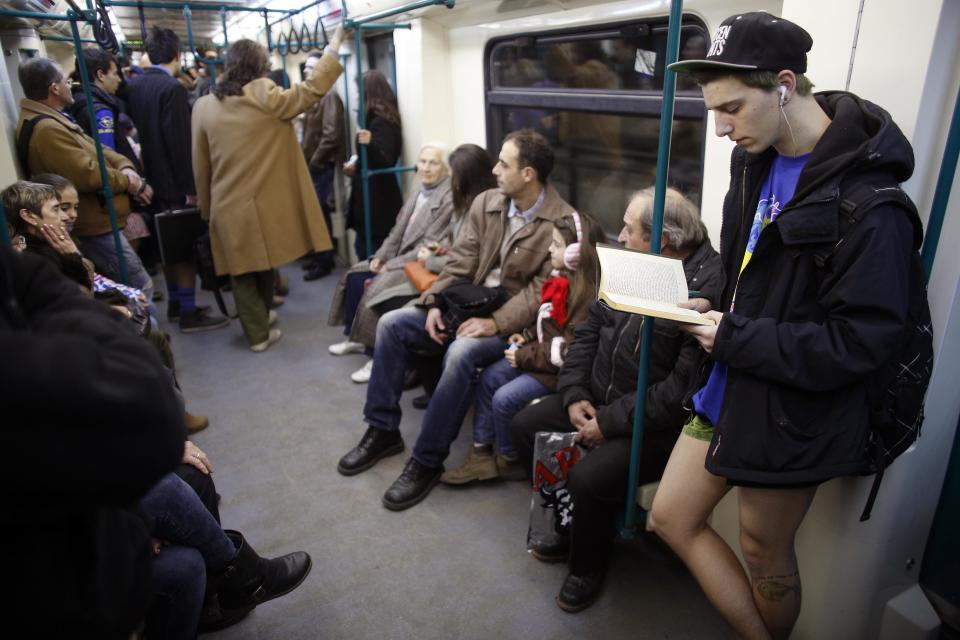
(783, 95)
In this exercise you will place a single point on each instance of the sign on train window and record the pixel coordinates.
(596, 95)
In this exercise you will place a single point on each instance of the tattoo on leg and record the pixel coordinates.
(774, 589)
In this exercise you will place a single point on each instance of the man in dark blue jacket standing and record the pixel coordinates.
(797, 341)
(160, 109)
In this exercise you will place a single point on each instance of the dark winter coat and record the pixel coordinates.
(803, 342)
(601, 364)
(386, 145)
(160, 109)
(103, 100)
(89, 401)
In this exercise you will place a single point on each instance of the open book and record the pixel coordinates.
(645, 284)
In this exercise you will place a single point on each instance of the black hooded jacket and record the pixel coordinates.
(601, 363)
(804, 341)
(103, 100)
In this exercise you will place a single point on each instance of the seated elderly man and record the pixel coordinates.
(505, 243)
(596, 395)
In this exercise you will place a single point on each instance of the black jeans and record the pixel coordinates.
(597, 483)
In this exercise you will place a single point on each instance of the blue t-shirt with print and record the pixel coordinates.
(777, 190)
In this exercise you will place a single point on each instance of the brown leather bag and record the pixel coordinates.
(421, 277)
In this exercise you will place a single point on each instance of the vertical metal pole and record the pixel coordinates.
(361, 124)
(663, 164)
(346, 98)
(266, 26)
(941, 195)
(104, 177)
(223, 23)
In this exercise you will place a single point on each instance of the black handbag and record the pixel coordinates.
(464, 300)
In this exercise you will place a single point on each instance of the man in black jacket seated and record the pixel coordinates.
(90, 422)
(597, 393)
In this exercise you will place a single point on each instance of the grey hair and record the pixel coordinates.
(681, 219)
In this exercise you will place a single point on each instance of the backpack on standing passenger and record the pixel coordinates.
(897, 392)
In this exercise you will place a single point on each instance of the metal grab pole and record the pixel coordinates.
(656, 231)
(101, 161)
(196, 6)
(389, 170)
(941, 195)
(223, 23)
(361, 123)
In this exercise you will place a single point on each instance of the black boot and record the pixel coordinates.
(413, 485)
(374, 445)
(251, 580)
(579, 592)
(213, 617)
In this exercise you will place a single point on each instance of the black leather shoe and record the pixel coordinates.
(413, 485)
(173, 310)
(558, 552)
(315, 272)
(579, 592)
(374, 445)
(421, 402)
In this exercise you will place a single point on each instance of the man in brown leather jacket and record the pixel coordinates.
(505, 243)
(324, 146)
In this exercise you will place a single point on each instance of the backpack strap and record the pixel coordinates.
(23, 141)
(855, 205)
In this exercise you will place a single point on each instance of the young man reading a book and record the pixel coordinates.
(596, 395)
(784, 405)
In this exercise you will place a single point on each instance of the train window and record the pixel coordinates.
(597, 95)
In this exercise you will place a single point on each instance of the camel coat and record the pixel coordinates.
(252, 181)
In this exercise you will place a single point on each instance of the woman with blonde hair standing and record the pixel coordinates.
(253, 185)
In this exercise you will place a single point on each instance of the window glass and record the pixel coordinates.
(596, 95)
(621, 62)
(601, 160)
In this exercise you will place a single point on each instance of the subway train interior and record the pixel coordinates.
(471, 71)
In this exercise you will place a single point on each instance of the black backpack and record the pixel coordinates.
(23, 141)
(897, 392)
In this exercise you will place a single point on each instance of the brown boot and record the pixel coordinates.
(478, 466)
(196, 423)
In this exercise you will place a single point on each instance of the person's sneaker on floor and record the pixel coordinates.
(273, 336)
(271, 317)
(509, 468)
(281, 284)
(196, 320)
(277, 301)
(479, 465)
(362, 375)
(346, 347)
(316, 271)
(195, 423)
(579, 592)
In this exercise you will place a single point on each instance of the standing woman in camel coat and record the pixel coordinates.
(252, 181)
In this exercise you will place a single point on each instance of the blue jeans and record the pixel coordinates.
(102, 250)
(400, 334)
(502, 393)
(180, 517)
(323, 185)
(178, 579)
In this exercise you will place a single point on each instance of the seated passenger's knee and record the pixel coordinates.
(760, 556)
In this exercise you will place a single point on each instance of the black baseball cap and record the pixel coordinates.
(750, 41)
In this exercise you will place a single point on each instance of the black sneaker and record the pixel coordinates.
(196, 320)
(173, 310)
(414, 484)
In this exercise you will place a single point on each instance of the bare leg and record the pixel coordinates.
(686, 497)
(769, 519)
